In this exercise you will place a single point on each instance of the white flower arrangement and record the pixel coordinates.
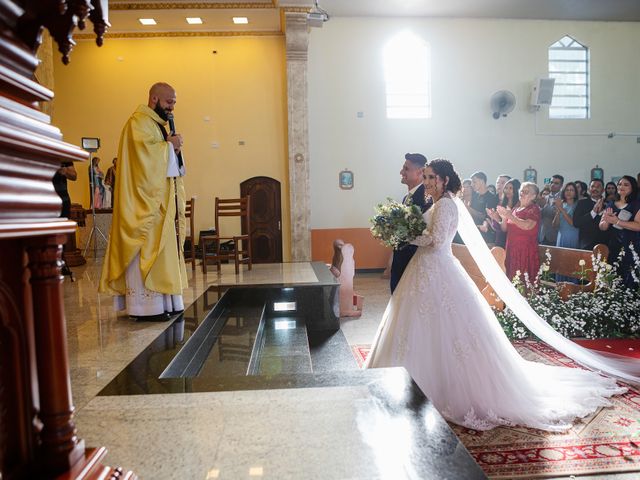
(396, 224)
(611, 310)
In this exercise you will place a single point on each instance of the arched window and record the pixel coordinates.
(569, 65)
(407, 75)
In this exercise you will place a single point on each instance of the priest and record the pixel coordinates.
(144, 264)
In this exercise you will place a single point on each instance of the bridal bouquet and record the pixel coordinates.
(396, 224)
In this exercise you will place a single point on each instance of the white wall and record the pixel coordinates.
(471, 59)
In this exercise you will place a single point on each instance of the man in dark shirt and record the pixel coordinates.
(481, 200)
(587, 216)
(66, 172)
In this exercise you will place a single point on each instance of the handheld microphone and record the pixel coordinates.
(172, 125)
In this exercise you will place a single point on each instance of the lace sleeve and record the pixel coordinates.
(436, 234)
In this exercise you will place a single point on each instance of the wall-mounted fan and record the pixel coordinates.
(502, 103)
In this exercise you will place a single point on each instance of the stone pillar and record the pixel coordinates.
(297, 38)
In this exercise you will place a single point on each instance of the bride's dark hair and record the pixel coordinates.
(444, 168)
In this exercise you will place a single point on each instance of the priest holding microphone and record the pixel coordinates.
(144, 264)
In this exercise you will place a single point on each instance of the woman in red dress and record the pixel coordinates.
(522, 225)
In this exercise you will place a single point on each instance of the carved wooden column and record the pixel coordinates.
(297, 39)
(37, 433)
(60, 448)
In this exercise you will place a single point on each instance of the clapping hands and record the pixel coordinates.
(609, 217)
(504, 212)
(493, 215)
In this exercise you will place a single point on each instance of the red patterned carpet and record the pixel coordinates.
(605, 443)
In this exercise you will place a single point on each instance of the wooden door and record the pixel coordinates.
(266, 218)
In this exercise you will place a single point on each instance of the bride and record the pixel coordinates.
(439, 327)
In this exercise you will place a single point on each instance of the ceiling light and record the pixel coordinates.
(240, 20)
(194, 20)
(147, 21)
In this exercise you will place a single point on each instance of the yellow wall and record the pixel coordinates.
(241, 90)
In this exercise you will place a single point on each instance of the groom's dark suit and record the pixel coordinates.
(402, 256)
(589, 232)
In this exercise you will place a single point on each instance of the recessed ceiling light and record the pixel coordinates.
(194, 20)
(240, 20)
(147, 21)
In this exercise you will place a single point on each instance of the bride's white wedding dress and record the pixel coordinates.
(439, 327)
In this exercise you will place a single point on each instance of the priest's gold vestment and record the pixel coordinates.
(144, 211)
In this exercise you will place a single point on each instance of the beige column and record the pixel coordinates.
(297, 38)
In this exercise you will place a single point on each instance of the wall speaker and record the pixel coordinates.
(542, 92)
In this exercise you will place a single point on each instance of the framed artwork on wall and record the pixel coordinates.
(530, 175)
(345, 179)
(597, 173)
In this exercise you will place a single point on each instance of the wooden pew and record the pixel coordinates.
(564, 261)
(461, 252)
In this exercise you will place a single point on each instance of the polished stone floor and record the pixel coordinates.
(349, 430)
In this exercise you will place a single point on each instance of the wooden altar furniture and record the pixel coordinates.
(191, 234)
(72, 255)
(241, 253)
(38, 437)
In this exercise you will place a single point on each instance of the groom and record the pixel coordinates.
(411, 176)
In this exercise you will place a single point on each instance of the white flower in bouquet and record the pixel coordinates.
(396, 224)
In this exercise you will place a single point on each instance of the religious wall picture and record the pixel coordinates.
(530, 175)
(597, 173)
(345, 179)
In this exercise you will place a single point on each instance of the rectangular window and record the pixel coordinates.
(569, 65)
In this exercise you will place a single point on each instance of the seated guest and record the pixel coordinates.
(521, 225)
(610, 192)
(623, 216)
(481, 199)
(510, 199)
(581, 187)
(587, 215)
(568, 234)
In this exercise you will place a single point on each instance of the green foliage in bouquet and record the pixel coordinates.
(396, 224)
(610, 311)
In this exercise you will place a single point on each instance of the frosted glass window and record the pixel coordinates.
(569, 65)
(407, 75)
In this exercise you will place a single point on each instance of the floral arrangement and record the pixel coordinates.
(610, 311)
(396, 224)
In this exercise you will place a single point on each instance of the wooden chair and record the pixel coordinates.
(191, 235)
(241, 253)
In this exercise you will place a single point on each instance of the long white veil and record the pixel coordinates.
(625, 368)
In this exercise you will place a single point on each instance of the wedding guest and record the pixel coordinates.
(582, 189)
(466, 192)
(549, 233)
(623, 216)
(411, 175)
(568, 234)
(110, 183)
(481, 199)
(510, 199)
(521, 225)
(610, 192)
(500, 183)
(492, 189)
(587, 215)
